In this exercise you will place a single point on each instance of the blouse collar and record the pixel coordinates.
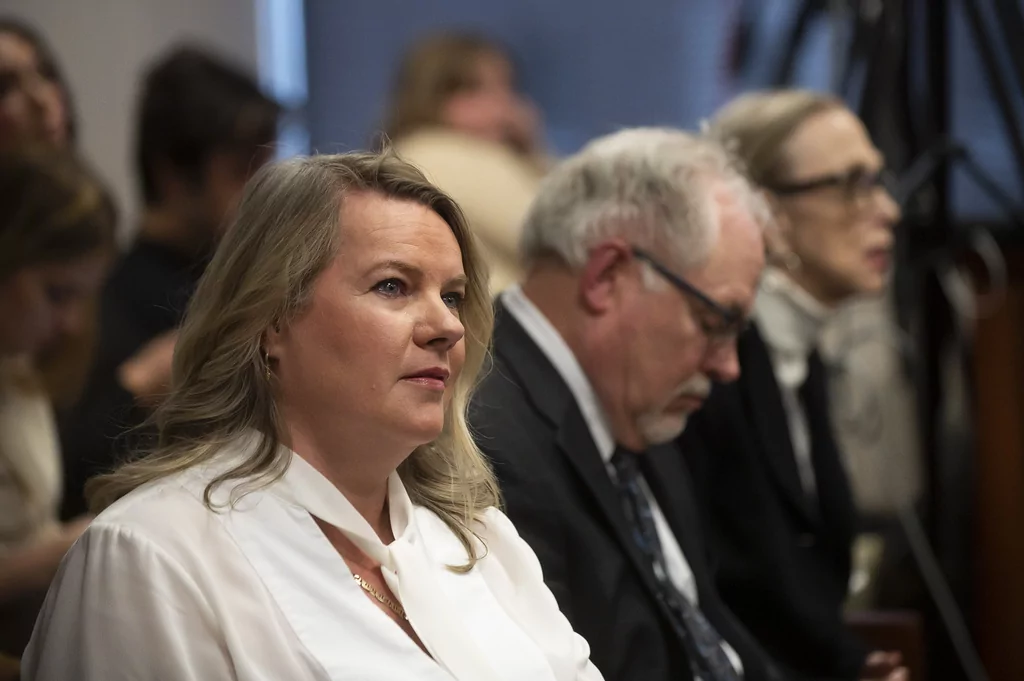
(304, 486)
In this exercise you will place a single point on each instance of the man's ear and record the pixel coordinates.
(603, 275)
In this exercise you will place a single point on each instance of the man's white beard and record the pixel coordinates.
(659, 426)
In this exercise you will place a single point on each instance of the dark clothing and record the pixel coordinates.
(783, 555)
(144, 297)
(564, 503)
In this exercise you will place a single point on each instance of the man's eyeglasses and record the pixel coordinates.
(731, 323)
(856, 185)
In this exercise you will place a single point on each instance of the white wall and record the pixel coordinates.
(103, 45)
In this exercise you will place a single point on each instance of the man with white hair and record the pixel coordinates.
(643, 254)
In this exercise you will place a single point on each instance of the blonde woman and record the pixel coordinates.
(779, 499)
(455, 113)
(315, 507)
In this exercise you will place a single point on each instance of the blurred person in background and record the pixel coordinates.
(57, 238)
(316, 507)
(36, 108)
(455, 113)
(203, 128)
(35, 104)
(780, 509)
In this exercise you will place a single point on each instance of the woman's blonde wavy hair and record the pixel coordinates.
(263, 273)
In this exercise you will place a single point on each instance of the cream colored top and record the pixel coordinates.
(493, 185)
(30, 465)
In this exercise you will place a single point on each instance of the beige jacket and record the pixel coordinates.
(30, 465)
(493, 185)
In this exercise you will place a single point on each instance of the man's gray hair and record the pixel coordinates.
(654, 187)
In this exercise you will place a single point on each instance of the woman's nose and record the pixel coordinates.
(441, 326)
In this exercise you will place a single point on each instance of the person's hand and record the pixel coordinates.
(884, 665)
(147, 373)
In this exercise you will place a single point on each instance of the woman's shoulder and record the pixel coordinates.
(495, 540)
(158, 512)
(170, 513)
(441, 151)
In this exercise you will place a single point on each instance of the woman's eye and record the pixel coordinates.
(453, 300)
(390, 287)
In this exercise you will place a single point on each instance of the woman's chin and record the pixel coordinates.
(421, 428)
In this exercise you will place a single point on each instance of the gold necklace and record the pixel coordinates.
(368, 588)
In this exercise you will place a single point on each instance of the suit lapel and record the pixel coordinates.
(551, 396)
(760, 394)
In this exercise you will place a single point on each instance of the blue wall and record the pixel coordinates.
(597, 65)
(592, 66)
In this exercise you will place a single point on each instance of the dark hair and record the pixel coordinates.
(48, 66)
(435, 68)
(52, 209)
(193, 104)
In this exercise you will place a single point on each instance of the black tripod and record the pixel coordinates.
(895, 72)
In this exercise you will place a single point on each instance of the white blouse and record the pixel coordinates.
(160, 587)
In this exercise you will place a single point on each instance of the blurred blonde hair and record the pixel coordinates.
(286, 233)
(757, 126)
(431, 72)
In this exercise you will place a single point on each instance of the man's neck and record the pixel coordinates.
(175, 232)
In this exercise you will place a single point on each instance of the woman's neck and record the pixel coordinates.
(362, 479)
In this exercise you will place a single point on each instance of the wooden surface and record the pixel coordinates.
(893, 630)
(998, 566)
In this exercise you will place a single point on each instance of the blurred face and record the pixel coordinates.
(839, 222)
(490, 108)
(41, 304)
(376, 355)
(32, 107)
(671, 344)
(224, 180)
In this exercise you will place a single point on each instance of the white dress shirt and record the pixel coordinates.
(561, 356)
(791, 323)
(162, 588)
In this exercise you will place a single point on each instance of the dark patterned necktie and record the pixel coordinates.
(707, 657)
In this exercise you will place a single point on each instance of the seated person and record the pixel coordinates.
(455, 113)
(204, 127)
(57, 227)
(642, 254)
(315, 507)
(781, 516)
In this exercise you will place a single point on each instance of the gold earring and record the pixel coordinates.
(266, 365)
(791, 261)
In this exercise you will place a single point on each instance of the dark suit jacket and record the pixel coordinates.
(783, 560)
(560, 497)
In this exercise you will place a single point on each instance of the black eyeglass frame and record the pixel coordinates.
(846, 181)
(735, 324)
